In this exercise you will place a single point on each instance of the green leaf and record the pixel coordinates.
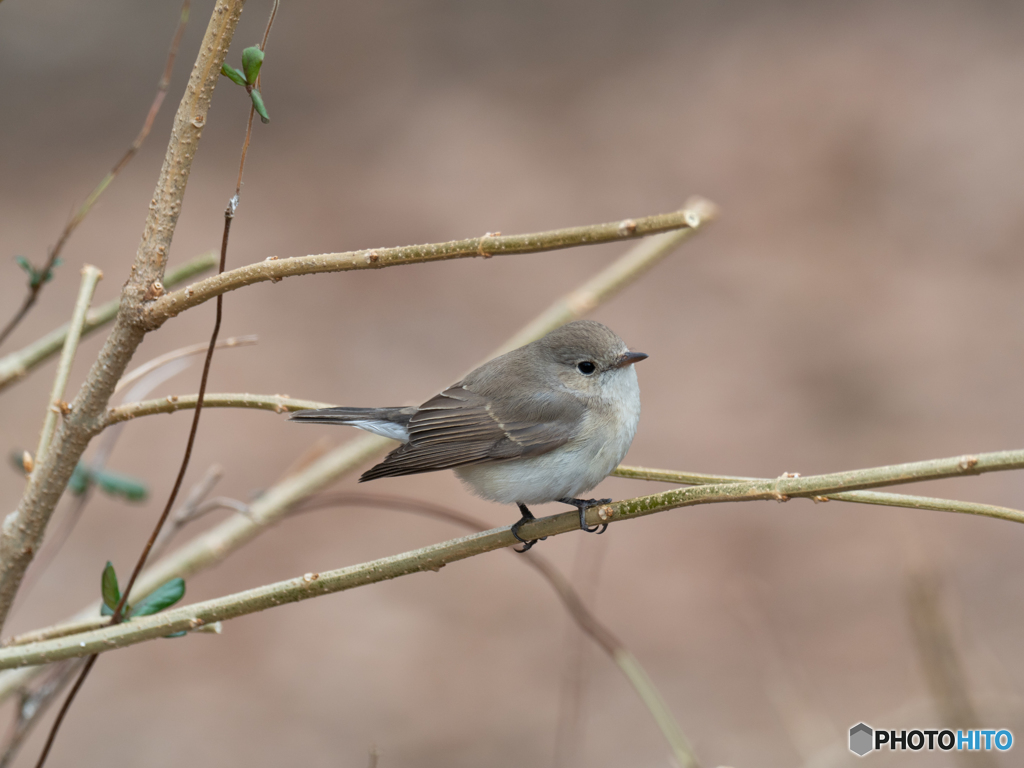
(232, 74)
(109, 589)
(257, 101)
(178, 634)
(80, 480)
(162, 597)
(35, 277)
(252, 60)
(121, 485)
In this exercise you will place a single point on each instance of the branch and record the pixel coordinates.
(17, 364)
(858, 497)
(489, 245)
(172, 403)
(435, 557)
(22, 531)
(216, 544)
(90, 277)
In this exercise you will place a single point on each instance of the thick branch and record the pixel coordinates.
(168, 306)
(22, 531)
(17, 364)
(435, 557)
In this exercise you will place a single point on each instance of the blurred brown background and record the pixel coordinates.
(857, 304)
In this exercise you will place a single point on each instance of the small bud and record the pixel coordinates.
(252, 60)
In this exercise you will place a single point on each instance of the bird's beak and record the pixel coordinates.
(628, 358)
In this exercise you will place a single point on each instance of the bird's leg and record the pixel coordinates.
(583, 505)
(526, 515)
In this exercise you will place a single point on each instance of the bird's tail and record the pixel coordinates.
(389, 422)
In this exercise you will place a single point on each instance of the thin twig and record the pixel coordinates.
(690, 220)
(17, 364)
(173, 403)
(436, 556)
(90, 277)
(187, 511)
(175, 354)
(83, 211)
(270, 25)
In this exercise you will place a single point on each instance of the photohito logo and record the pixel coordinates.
(865, 739)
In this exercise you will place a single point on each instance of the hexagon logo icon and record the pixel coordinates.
(861, 738)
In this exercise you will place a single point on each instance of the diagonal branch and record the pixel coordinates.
(90, 277)
(696, 213)
(435, 557)
(22, 531)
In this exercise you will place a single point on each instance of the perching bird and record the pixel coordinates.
(545, 422)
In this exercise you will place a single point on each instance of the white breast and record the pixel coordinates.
(566, 472)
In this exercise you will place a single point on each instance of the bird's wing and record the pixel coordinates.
(460, 426)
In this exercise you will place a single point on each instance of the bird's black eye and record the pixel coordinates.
(586, 367)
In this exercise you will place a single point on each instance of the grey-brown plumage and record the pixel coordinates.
(544, 422)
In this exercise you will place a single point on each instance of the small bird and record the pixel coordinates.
(545, 422)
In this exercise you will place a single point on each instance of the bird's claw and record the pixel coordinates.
(527, 515)
(583, 505)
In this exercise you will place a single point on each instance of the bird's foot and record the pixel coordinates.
(526, 515)
(583, 505)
